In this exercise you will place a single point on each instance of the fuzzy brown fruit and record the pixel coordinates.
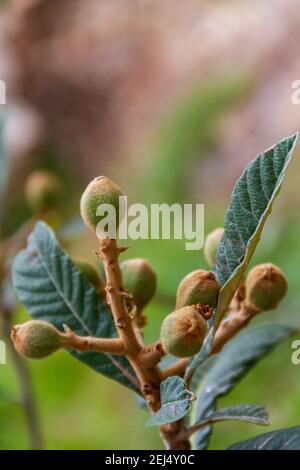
(99, 191)
(198, 287)
(36, 339)
(183, 332)
(211, 245)
(266, 286)
(140, 279)
(42, 191)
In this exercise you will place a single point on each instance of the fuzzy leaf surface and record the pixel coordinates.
(53, 289)
(254, 414)
(228, 367)
(175, 402)
(282, 439)
(250, 205)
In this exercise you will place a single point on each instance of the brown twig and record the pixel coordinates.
(151, 355)
(230, 326)
(142, 359)
(70, 340)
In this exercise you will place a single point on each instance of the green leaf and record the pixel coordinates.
(254, 414)
(53, 289)
(175, 402)
(234, 362)
(282, 439)
(251, 203)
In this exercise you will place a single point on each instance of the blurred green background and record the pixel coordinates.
(172, 111)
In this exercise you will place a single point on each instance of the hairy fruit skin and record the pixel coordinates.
(266, 286)
(99, 191)
(211, 245)
(183, 332)
(36, 339)
(42, 191)
(198, 287)
(90, 272)
(140, 279)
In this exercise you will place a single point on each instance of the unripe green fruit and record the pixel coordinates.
(211, 245)
(183, 332)
(139, 279)
(266, 286)
(36, 339)
(198, 287)
(100, 191)
(42, 191)
(90, 272)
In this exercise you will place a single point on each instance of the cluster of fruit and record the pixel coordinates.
(183, 331)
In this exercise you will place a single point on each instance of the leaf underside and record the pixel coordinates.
(175, 402)
(53, 289)
(282, 439)
(250, 413)
(237, 358)
(251, 203)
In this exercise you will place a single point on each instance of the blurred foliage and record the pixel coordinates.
(83, 410)
(45, 157)
(189, 133)
(3, 168)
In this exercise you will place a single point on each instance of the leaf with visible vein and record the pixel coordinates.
(175, 402)
(228, 367)
(250, 205)
(282, 439)
(254, 414)
(53, 289)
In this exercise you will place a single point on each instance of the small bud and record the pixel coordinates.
(42, 191)
(100, 191)
(183, 332)
(139, 279)
(36, 339)
(90, 272)
(211, 245)
(198, 287)
(266, 286)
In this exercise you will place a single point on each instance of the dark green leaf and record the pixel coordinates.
(250, 413)
(53, 289)
(201, 372)
(175, 402)
(251, 203)
(236, 360)
(282, 439)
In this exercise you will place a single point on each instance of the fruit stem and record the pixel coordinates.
(143, 359)
(70, 340)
